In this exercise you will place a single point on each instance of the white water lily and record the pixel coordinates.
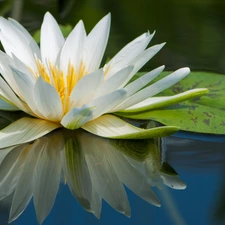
(62, 83)
(94, 168)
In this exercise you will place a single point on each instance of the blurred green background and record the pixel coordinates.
(194, 30)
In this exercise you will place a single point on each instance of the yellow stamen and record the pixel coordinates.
(63, 84)
(42, 71)
(71, 78)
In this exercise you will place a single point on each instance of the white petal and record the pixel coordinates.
(76, 117)
(14, 42)
(107, 102)
(127, 54)
(51, 41)
(27, 37)
(84, 91)
(24, 189)
(8, 94)
(140, 83)
(117, 81)
(157, 87)
(143, 80)
(19, 65)
(47, 179)
(72, 51)
(110, 126)
(96, 43)
(22, 80)
(47, 100)
(6, 62)
(25, 130)
(145, 56)
(26, 86)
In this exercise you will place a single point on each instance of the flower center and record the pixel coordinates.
(63, 83)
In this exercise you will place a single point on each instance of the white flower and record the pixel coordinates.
(94, 168)
(61, 83)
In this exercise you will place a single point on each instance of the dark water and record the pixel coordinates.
(194, 32)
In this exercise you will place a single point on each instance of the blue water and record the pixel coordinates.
(201, 165)
(195, 206)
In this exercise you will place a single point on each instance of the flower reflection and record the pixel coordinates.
(94, 168)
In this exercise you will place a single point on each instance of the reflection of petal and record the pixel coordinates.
(10, 170)
(132, 178)
(78, 177)
(25, 185)
(173, 181)
(104, 178)
(47, 178)
(94, 168)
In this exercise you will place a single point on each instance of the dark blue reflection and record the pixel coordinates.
(194, 206)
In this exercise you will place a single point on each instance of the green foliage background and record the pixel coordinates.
(194, 30)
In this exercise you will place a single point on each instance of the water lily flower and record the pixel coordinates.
(61, 83)
(34, 170)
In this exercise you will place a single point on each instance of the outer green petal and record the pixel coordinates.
(25, 130)
(110, 126)
(164, 101)
(76, 117)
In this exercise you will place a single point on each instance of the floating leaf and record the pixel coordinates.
(203, 114)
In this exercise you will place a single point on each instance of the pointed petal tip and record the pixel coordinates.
(10, 220)
(40, 220)
(97, 215)
(81, 23)
(107, 18)
(48, 14)
(127, 214)
(152, 34)
(49, 17)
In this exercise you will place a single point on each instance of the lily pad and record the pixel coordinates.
(205, 114)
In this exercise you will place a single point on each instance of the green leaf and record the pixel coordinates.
(203, 114)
